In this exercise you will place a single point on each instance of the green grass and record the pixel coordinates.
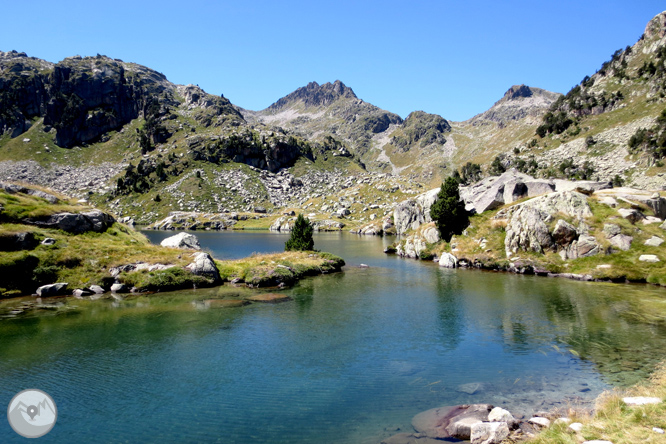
(263, 270)
(615, 421)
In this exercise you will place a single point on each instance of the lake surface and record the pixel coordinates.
(351, 359)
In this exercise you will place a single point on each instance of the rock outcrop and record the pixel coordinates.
(412, 213)
(528, 225)
(75, 223)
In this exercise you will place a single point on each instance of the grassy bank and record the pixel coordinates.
(615, 421)
(86, 259)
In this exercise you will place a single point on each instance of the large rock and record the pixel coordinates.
(631, 214)
(527, 226)
(564, 233)
(527, 230)
(325, 225)
(283, 224)
(431, 234)
(76, 223)
(650, 258)
(654, 241)
(203, 265)
(413, 246)
(412, 213)
(448, 260)
(52, 289)
(451, 422)
(182, 240)
(495, 191)
(489, 432)
(11, 188)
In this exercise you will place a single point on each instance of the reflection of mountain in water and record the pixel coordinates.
(39, 425)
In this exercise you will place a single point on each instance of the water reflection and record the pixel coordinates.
(350, 355)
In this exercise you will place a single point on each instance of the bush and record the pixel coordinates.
(301, 236)
(448, 212)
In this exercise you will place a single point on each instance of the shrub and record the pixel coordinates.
(301, 236)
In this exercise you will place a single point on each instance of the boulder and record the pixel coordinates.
(77, 223)
(611, 230)
(260, 210)
(587, 246)
(564, 233)
(431, 234)
(581, 186)
(621, 241)
(540, 421)
(371, 228)
(489, 432)
(498, 414)
(651, 220)
(119, 288)
(631, 214)
(663, 226)
(493, 192)
(58, 289)
(451, 422)
(283, 224)
(411, 213)
(48, 241)
(96, 289)
(448, 260)
(203, 265)
(650, 258)
(576, 427)
(654, 241)
(412, 246)
(527, 231)
(182, 240)
(652, 200)
(79, 293)
(323, 225)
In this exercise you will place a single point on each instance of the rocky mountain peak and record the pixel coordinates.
(517, 103)
(315, 95)
(518, 91)
(656, 27)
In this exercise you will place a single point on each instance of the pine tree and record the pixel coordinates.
(448, 212)
(301, 236)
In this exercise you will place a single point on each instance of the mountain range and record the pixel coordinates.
(125, 137)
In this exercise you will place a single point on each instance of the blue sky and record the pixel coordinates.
(452, 58)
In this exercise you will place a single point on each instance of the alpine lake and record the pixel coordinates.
(351, 358)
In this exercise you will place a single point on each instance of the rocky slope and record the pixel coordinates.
(124, 137)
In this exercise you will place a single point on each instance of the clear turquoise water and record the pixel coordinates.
(351, 359)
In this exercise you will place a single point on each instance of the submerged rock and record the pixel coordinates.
(269, 298)
(451, 422)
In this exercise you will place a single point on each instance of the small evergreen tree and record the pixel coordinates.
(301, 236)
(448, 212)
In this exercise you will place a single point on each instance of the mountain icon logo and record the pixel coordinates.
(32, 413)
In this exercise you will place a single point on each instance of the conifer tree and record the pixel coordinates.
(301, 236)
(448, 212)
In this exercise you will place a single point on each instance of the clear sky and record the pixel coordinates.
(453, 58)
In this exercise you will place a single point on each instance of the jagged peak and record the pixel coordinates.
(314, 95)
(518, 102)
(656, 27)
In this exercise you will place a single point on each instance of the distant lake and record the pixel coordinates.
(351, 359)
